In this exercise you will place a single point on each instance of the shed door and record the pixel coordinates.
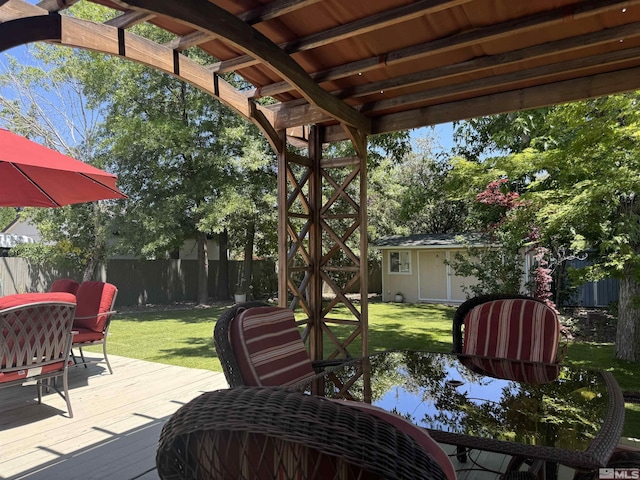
(433, 275)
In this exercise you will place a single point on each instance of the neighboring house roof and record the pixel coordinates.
(10, 241)
(22, 227)
(436, 240)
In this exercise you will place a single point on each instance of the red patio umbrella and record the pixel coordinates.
(32, 175)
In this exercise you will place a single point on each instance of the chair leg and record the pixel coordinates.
(82, 357)
(106, 358)
(461, 453)
(65, 387)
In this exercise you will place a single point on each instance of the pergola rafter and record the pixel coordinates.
(336, 71)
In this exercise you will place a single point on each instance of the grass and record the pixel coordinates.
(185, 338)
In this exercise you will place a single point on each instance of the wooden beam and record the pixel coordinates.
(129, 19)
(203, 15)
(56, 5)
(266, 126)
(283, 264)
(465, 39)
(190, 40)
(358, 27)
(294, 113)
(75, 32)
(257, 15)
(46, 28)
(13, 9)
(523, 99)
(488, 62)
(274, 9)
(491, 82)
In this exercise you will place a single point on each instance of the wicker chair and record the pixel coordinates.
(489, 333)
(267, 433)
(293, 362)
(538, 321)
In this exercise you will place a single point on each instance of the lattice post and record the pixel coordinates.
(323, 242)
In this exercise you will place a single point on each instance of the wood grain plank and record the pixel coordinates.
(116, 425)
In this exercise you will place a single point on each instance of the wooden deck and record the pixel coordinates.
(116, 424)
(115, 428)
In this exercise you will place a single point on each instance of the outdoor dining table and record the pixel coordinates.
(544, 412)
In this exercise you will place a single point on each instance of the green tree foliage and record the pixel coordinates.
(43, 100)
(190, 165)
(423, 207)
(495, 257)
(7, 215)
(584, 179)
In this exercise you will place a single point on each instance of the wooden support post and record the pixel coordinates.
(314, 291)
(283, 264)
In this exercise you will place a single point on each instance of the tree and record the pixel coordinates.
(496, 257)
(424, 207)
(248, 212)
(176, 151)
(7, 215)
(43, 100)
(585, 181)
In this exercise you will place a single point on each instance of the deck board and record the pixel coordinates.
(115, 428)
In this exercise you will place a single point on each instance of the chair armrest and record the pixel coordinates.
(329, 363)
(563, 347)
(102, 314)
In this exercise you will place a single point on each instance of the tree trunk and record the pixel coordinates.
(203, 269)
(223, 269)
(90, 268)
(248, 257)
(628, 330)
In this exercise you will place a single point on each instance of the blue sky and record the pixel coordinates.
(443, 134)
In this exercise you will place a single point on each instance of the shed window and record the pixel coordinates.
(400, 262)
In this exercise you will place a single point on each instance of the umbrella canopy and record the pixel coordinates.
(32, 175)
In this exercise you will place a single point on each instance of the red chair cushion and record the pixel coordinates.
(418, 434)
(268, 347)
(93, 299)
(65, 285)
(519, 329)
(27, 373)
(83, 335)
(18, 299)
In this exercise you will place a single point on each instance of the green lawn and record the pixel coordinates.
(185, 338)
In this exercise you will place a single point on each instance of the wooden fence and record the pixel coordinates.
(150, 281)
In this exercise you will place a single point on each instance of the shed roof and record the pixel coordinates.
(428, 241)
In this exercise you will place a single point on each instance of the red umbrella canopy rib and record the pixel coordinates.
(32, 175)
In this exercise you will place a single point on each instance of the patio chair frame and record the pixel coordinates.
(103, 341)
(36, 337)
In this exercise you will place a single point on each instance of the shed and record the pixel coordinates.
(416, 266)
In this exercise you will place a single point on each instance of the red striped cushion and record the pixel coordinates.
(531, 373)
(519, 329)
(269, 348)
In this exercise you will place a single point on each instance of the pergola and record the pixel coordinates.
(344, 70)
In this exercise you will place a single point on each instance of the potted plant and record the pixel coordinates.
(399, 298)
(240, 293)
